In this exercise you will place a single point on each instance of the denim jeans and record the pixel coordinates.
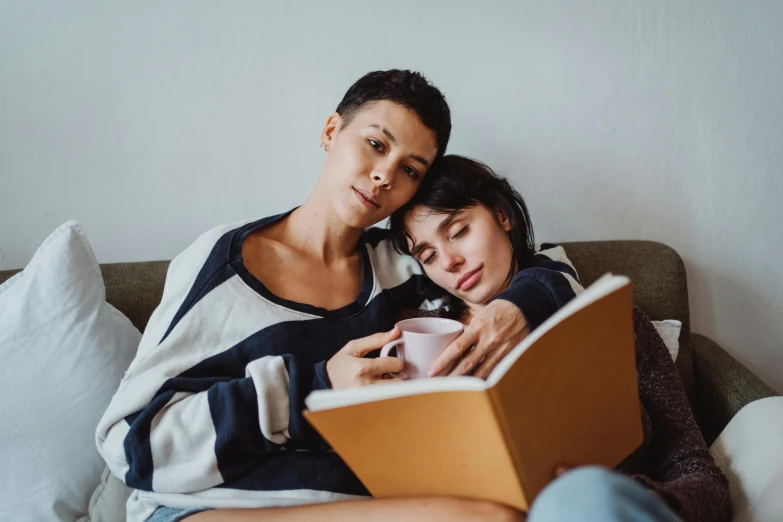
(597, 494)
(167, 514)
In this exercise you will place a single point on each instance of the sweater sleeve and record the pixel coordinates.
(544, 287)
(181, 422)
(681, 469)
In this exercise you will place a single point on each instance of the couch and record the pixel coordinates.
(717, 386)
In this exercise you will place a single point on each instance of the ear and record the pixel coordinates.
(503, 220)
(332, 127)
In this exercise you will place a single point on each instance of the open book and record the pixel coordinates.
(567, 394)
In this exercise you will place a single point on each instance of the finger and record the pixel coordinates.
(470, 361)
(383, 365)
(467, 339)
(492, 360)
(384, 381)
(397, 375)
(363, 346)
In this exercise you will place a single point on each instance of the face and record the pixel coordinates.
(469, 254)
(375, 163)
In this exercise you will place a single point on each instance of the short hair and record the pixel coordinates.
(454, 183)
(406, 88)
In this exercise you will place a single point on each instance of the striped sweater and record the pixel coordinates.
(209, 414)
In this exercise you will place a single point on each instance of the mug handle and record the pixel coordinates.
(400, 354)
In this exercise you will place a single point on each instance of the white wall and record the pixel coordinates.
(151, 122)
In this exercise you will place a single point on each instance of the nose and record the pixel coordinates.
(450, 261)
(383, 175)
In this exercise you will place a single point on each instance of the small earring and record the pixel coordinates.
(323, 146)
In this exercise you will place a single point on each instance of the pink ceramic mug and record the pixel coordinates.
(423, 339)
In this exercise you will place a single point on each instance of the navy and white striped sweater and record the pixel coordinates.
(210, 411)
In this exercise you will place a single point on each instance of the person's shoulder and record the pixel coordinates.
(379, 243)
(212, 249)
(226, 232)
(374, 236)
(551, 252)
(216, 232)
(553, 256)
(391, 266)
(206, 241)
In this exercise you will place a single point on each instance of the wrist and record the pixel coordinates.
(321, 378)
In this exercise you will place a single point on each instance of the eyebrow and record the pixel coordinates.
(416, 250)
(394, 140)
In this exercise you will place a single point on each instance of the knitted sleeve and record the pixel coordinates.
(680, 468)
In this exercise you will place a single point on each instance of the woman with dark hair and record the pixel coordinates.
(472, 234)
(463, 204)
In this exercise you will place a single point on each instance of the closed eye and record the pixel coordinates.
(428, 259)
(460, 233)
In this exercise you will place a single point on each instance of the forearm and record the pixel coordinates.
(538, 293)
(199, 432)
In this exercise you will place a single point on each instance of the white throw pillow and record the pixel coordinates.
(669, 330)
(63, 351)
(749, 451)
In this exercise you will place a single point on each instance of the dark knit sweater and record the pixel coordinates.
(673, 459)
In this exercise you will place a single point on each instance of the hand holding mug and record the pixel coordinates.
(348, 367)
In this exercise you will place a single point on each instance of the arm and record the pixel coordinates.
(188, 417)
(187, 439)
(682, 472)
(544, 287)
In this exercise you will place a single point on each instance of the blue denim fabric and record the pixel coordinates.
(590, 493)
(167, 514)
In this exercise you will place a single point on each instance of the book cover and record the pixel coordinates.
(567, 393)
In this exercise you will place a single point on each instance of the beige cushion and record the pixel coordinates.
(107, 503)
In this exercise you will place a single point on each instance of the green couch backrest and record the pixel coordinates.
(656, 270)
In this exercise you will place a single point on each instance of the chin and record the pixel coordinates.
(357, 218)
(482, 296)
(476, 298)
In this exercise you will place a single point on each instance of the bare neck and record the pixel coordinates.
(317, 231)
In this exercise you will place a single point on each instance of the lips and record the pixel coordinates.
(366, 196)
(469, 279)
